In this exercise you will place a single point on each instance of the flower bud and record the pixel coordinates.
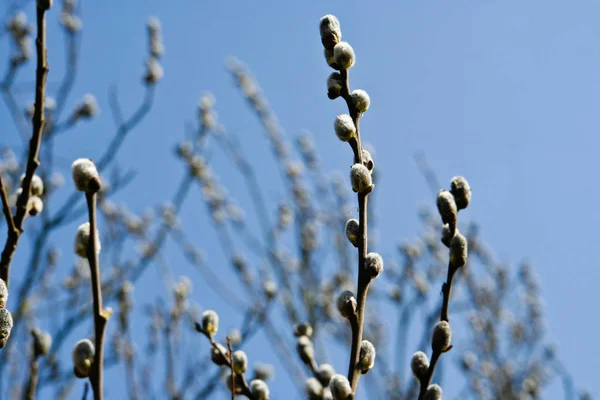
(327, 394)
(240, 362)
(270, 289)
(458, 250)
(42, 341)
(325, 373)
(210, 322)
(82, 239)
(37, 185)
(259, 389)
(35, 205)
(305, 349)
(3, 293)
(340, 387)
(6, 324)
(460, 189)
(352, 227)
(344, 127)
(263, 371)
(343, 55)
(440, 342)
(83, 357)
(447, 234)
(366, 359)
(217, 355)
(447, 207)
(419, 364)
(334, 85)
(434, 392)
(314, 389)
(85, 175)
(361, 180)
(87, 108)
(303, 329)
(239, 383)
(361, 100)
(346, 304)
(373, 265)
(331, 33)
(329, 57)
(367, 160)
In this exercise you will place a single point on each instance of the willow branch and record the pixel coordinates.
(34, 145)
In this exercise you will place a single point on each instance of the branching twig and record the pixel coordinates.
(34, 144)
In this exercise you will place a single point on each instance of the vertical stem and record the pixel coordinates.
(32, 381)
(100, 318)
(34, 144)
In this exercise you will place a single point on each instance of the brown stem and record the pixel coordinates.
(231, 367)
(435, 356)
(6, 209)
(446, 291)
(100, 317)
(32, 381)
(34, 145)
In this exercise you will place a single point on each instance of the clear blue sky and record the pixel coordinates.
(504, 92)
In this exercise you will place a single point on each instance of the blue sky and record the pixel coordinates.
(504, 92)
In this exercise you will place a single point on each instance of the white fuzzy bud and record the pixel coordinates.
(82, 239)
(361, 180)
(303, 329)
(218, 353)
(240, 362)
(270, 289)
(37, 185)
(340, 387)
(344, 127)
(3, 294)
(447, 207)
(367, 356)
(6, 324)
(35, 205)
(334, 85)
(325, 373)
(346, 304)
(305, 349)
(85, 175)
(88, 107)
(460, 189)
(154, 71)
(83, 357)
(263, 371)
(367, 160)
(210, 322)
(361, 100)
(314, 389)
(419, 364)
(442, 334)
(259, 389)
(343, 55)
(330, 30)
(434, 392)
(458, 250)
(373, 264)
(42, 341)
(352, 227)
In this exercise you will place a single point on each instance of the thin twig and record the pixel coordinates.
(100, 316)
(34, 145)
(6, 208)
(232, 371)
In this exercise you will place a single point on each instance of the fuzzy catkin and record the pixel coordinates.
(210, 322)
(6, 324)
(330, 30)
(442, 334)
(460, 189)
(352, 228)
(434, 392)
(340, 387)
(367, 356)
(3, 294)
(305, 349)
(361, 100)
(373, 264)
(343, 55)
(419, 364)
(82, 239)
(360, 177)
(83, 357)
(240, 362)
(259, 389)
(85, 175)
(346, 304)
(344, 127)
(458, 250)
(314, 389)
(447, 207)
(334, 85)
